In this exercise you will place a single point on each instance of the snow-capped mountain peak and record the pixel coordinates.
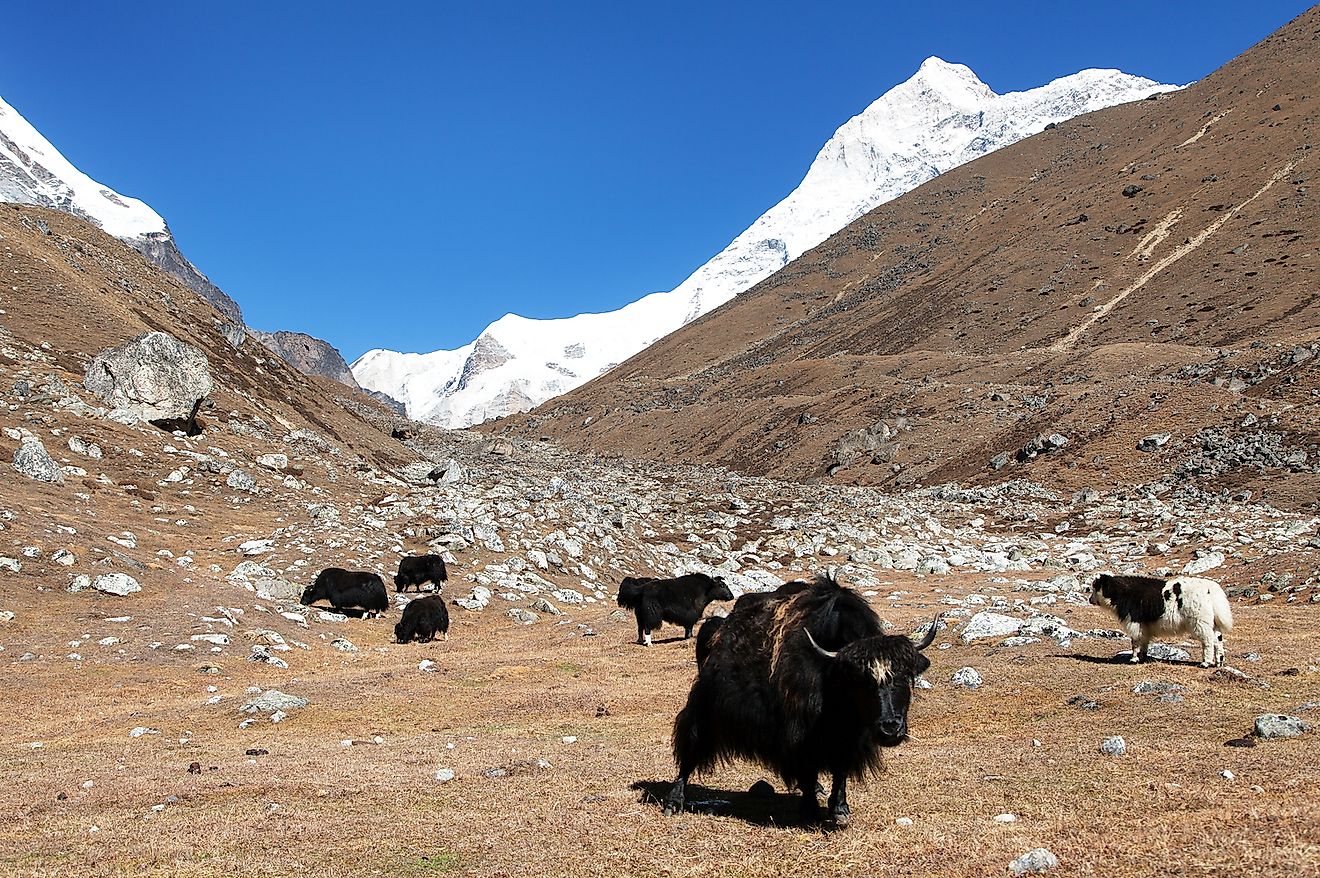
(942, 117)
(34, 171)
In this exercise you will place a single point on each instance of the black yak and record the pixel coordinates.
(348, 590)
(420, 569)
(678, 601)
(802, 680)
(1146, 607)
(422, 619)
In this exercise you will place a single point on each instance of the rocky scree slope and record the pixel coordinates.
(1145, 272)
(940, 118)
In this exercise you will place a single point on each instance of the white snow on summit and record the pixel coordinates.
(942, 117)
(32, 171)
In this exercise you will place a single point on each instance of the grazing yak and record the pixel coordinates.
(1148, 607)
(679, 601)
(423, 568)
(348, 590)
(422, 619)
(802, 680)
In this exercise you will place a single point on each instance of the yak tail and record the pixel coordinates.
(1223, 614)
(630, 592)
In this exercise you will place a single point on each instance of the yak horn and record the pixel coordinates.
(820, 649)
(929, 637)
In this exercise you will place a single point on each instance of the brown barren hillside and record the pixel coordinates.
(1150, 268)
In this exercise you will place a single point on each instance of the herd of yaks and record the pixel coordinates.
(803, 679)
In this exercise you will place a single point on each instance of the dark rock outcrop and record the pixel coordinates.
(307, 354)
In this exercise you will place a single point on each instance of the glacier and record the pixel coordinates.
(940, 118)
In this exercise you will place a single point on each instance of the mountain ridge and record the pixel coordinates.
(940, 117)
(1126, 298)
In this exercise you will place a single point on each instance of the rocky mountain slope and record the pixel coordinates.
(939, 119)
(33, 171)
(1127, 297)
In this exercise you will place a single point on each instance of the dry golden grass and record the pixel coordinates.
(505, 695)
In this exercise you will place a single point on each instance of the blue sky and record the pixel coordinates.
(401, 174)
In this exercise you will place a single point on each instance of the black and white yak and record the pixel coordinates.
(348, 590)
(422, 620)
(680, 601)
(802, 680)
(421, 569)
(1148, 607)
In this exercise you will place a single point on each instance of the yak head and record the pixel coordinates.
(401, 633)
(718, 590)
(310, 594)
(879, 673)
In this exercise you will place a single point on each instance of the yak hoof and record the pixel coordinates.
(842, 817)
(671, 808)
(1203, 665)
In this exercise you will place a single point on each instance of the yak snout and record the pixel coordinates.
(893, 730)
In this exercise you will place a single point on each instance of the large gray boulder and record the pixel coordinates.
(155, 378)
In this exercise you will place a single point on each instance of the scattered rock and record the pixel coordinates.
(1113, 746)
(986, 625)
(272, 700)
(241, 481)
(31, 460)
(1033, 862)
(969, 678)
(1203, 562)
(154, 378)
(1150, 687)
(261, 654)
(1276, 725)
(1042, 444)
(116, 583)
(1154, 442)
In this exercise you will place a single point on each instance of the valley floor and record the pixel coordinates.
(81, 796)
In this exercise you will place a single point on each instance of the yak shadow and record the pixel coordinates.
(769, 809)
(1122, 659)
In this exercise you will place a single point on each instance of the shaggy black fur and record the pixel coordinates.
(1138, 599)
(348, 589)
(764, 693)
(706, 638)
(679, 601)
(421, 569)
(422, 620)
